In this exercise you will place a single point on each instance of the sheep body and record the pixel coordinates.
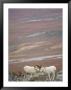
(49, 70)
(29, 69)
(36, 71)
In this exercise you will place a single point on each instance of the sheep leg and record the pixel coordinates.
(30, 76)
(53, 76)
(49, 77)
(24, 75)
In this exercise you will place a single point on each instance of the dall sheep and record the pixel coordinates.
(31, 70)
(49, 70)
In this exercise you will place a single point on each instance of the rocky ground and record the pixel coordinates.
(21, 77)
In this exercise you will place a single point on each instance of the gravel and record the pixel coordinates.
(41, 77)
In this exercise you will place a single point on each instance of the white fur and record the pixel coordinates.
(49, 70)
(31, 70)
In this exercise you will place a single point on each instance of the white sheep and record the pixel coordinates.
(49, 70)
(31, 70)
